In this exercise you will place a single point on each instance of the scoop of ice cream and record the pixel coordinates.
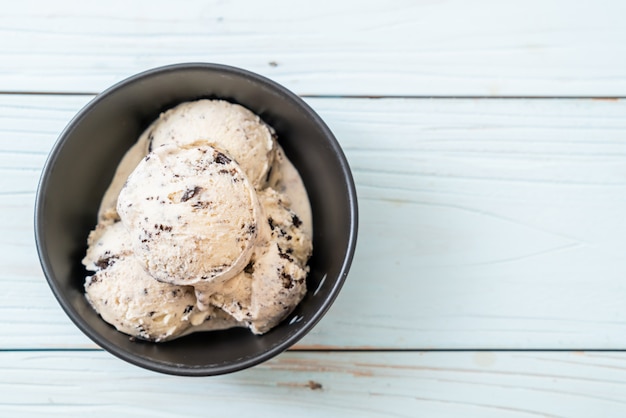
(129, 298)
(226, 126)
(191, 213)
(273, 283)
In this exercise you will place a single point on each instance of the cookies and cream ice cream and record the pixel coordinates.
(274, 280)
(206, 225)
(228, 127)
(126, 296)
(191, 213)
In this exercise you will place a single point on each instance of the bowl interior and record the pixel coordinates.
(82, 164)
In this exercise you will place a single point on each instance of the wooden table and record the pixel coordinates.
(488, 144)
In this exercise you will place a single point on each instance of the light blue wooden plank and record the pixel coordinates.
(362, 384)
(484, 224)
(453, 48)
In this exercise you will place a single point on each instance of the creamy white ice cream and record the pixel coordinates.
(273, 283)
(130, 299)
(229, 127)
(206, 225)
(191, 213)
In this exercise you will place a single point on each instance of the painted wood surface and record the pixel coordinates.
(399, 47)
(484, 224)
(298, 384)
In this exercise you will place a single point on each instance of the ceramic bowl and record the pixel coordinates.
(81, 165)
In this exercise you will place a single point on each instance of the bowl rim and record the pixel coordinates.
(178, 369)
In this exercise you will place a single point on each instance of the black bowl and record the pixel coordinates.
(82, 164)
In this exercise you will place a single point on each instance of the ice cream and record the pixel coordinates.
(206, 225)
(130, 299)
(274, 280)
(191, 214)
(229, 127)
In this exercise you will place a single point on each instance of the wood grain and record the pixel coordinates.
(484, 224)
(485, 384)
(449, 48)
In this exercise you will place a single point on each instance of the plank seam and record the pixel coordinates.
(357, 96)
